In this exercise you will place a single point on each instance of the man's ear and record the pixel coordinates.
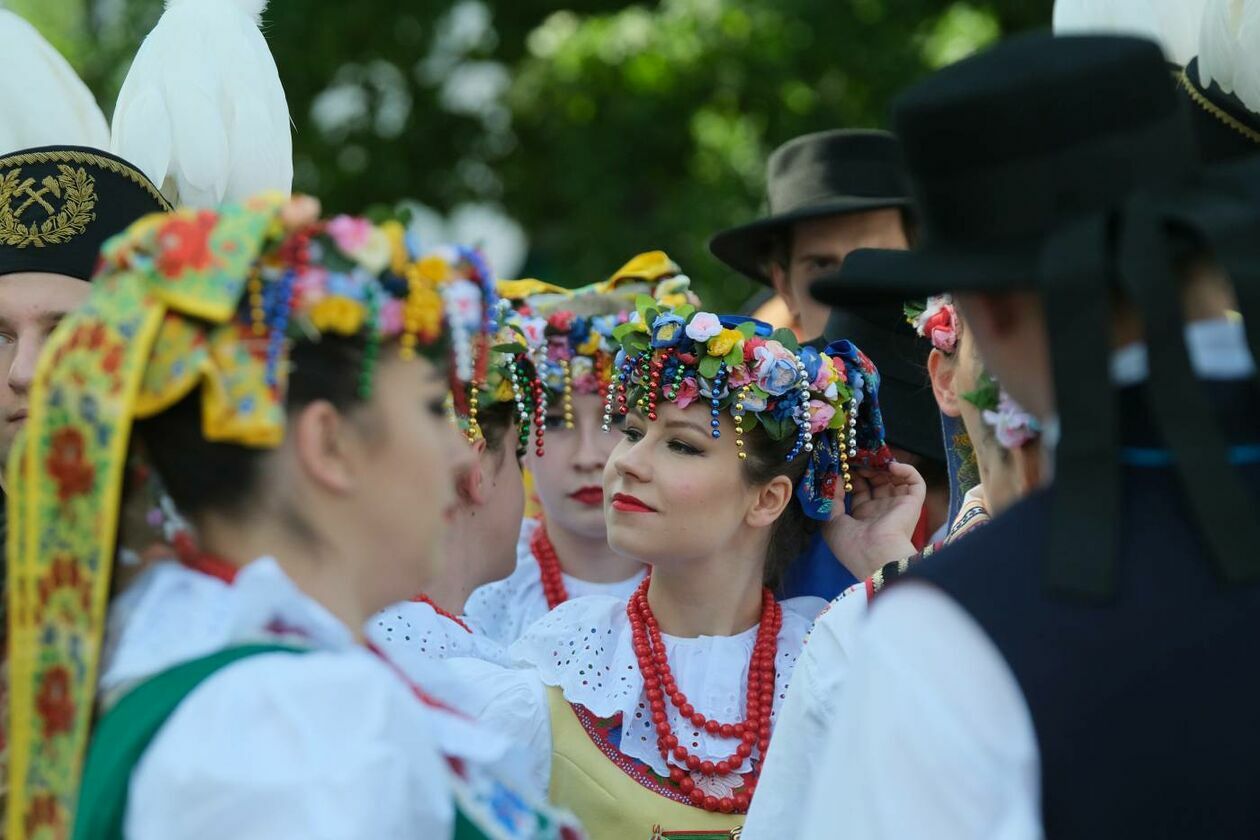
(941, 370)
(772, 499)
(470, 485)
(323, 448)
(1027, 463)
(779, 279)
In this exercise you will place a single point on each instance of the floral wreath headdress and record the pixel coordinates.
(936, 320)
(194, 301)
(827, 401)
(557, 342)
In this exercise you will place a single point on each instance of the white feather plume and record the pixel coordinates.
(202, 111)
(42, 99)
(1229, 49)
(1173, 24)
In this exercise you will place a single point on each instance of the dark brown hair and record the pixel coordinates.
(791, 532)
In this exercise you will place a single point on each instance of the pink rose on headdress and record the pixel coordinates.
(703, 326)
(740, 376)
(561, 321)
(1012, 426)
(939, 323)
(391, 317)
(688, 392)
(351, 233)
(820, 414)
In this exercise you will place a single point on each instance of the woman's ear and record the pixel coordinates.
(772, 499)
(470, 485)
(322, 447)
(941, 370)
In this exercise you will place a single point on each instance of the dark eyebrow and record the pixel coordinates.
(684, 424)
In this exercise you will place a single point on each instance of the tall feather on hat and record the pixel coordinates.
(43, 100)
(202, 111)
(1229, 49)
(1173, 24)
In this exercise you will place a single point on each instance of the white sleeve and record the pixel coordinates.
(313, 746)
(511, 701)
(804, 720)
(933, 738)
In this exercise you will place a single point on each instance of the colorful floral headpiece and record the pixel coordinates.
(1013, 426)
(827, 402)
(559, 342)
(190, 302)
(936, 319)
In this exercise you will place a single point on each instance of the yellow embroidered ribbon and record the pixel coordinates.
(158, 324)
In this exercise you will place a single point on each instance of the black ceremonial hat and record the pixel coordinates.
(58, 205)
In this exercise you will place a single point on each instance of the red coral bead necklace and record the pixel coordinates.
(658, 680)
(548, 567)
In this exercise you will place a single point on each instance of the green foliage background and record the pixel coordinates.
(604, 128)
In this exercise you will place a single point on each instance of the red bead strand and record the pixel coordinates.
(548, 567)
(661, 687)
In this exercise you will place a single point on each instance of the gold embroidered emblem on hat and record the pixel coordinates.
(51, 211)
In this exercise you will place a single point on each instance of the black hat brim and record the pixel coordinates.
(871, 275)
(744, 247)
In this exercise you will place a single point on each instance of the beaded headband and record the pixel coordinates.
(194, 301)
(558, 342)
(827, 401)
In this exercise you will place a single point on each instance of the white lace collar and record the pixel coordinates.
(504, 609)
(585, 647)
(411, 629)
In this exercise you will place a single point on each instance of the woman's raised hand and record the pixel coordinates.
(886, 505)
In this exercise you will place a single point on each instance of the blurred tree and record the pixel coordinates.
(649, 127)
(605, 128)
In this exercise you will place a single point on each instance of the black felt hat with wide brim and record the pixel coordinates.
(829, 173)
(59, 204)
(1005, 148)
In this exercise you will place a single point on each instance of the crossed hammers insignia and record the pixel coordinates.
(34, 196)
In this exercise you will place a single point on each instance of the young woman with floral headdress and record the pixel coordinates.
(287, 379)
(479, 545)
(1004, 440)
(564, 347)
(651, 718)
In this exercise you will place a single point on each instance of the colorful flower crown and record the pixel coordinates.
(558, 342)
(936, 319)
(827, 401)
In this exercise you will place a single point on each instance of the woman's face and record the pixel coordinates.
(568, 477)
(503, 505)
(411, 461)
(675, 492)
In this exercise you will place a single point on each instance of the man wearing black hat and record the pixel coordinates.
(830, 193)
(1073, 670)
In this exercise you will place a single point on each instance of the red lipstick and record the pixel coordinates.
(590, 496)
(629, 504)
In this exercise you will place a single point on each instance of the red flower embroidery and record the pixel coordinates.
(113, 358)
(184, 244)
(54, 703)
(561, 321)
(65, 463)
(65, 574)
(44, 812)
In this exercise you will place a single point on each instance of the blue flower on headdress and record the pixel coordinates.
(604, 325)
(579, 331)
(813, 361)
(667, 330)
(340, 285)
(782, 409)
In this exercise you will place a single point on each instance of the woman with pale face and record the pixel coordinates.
(294, 406)
(735, 445)
(564, 367)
